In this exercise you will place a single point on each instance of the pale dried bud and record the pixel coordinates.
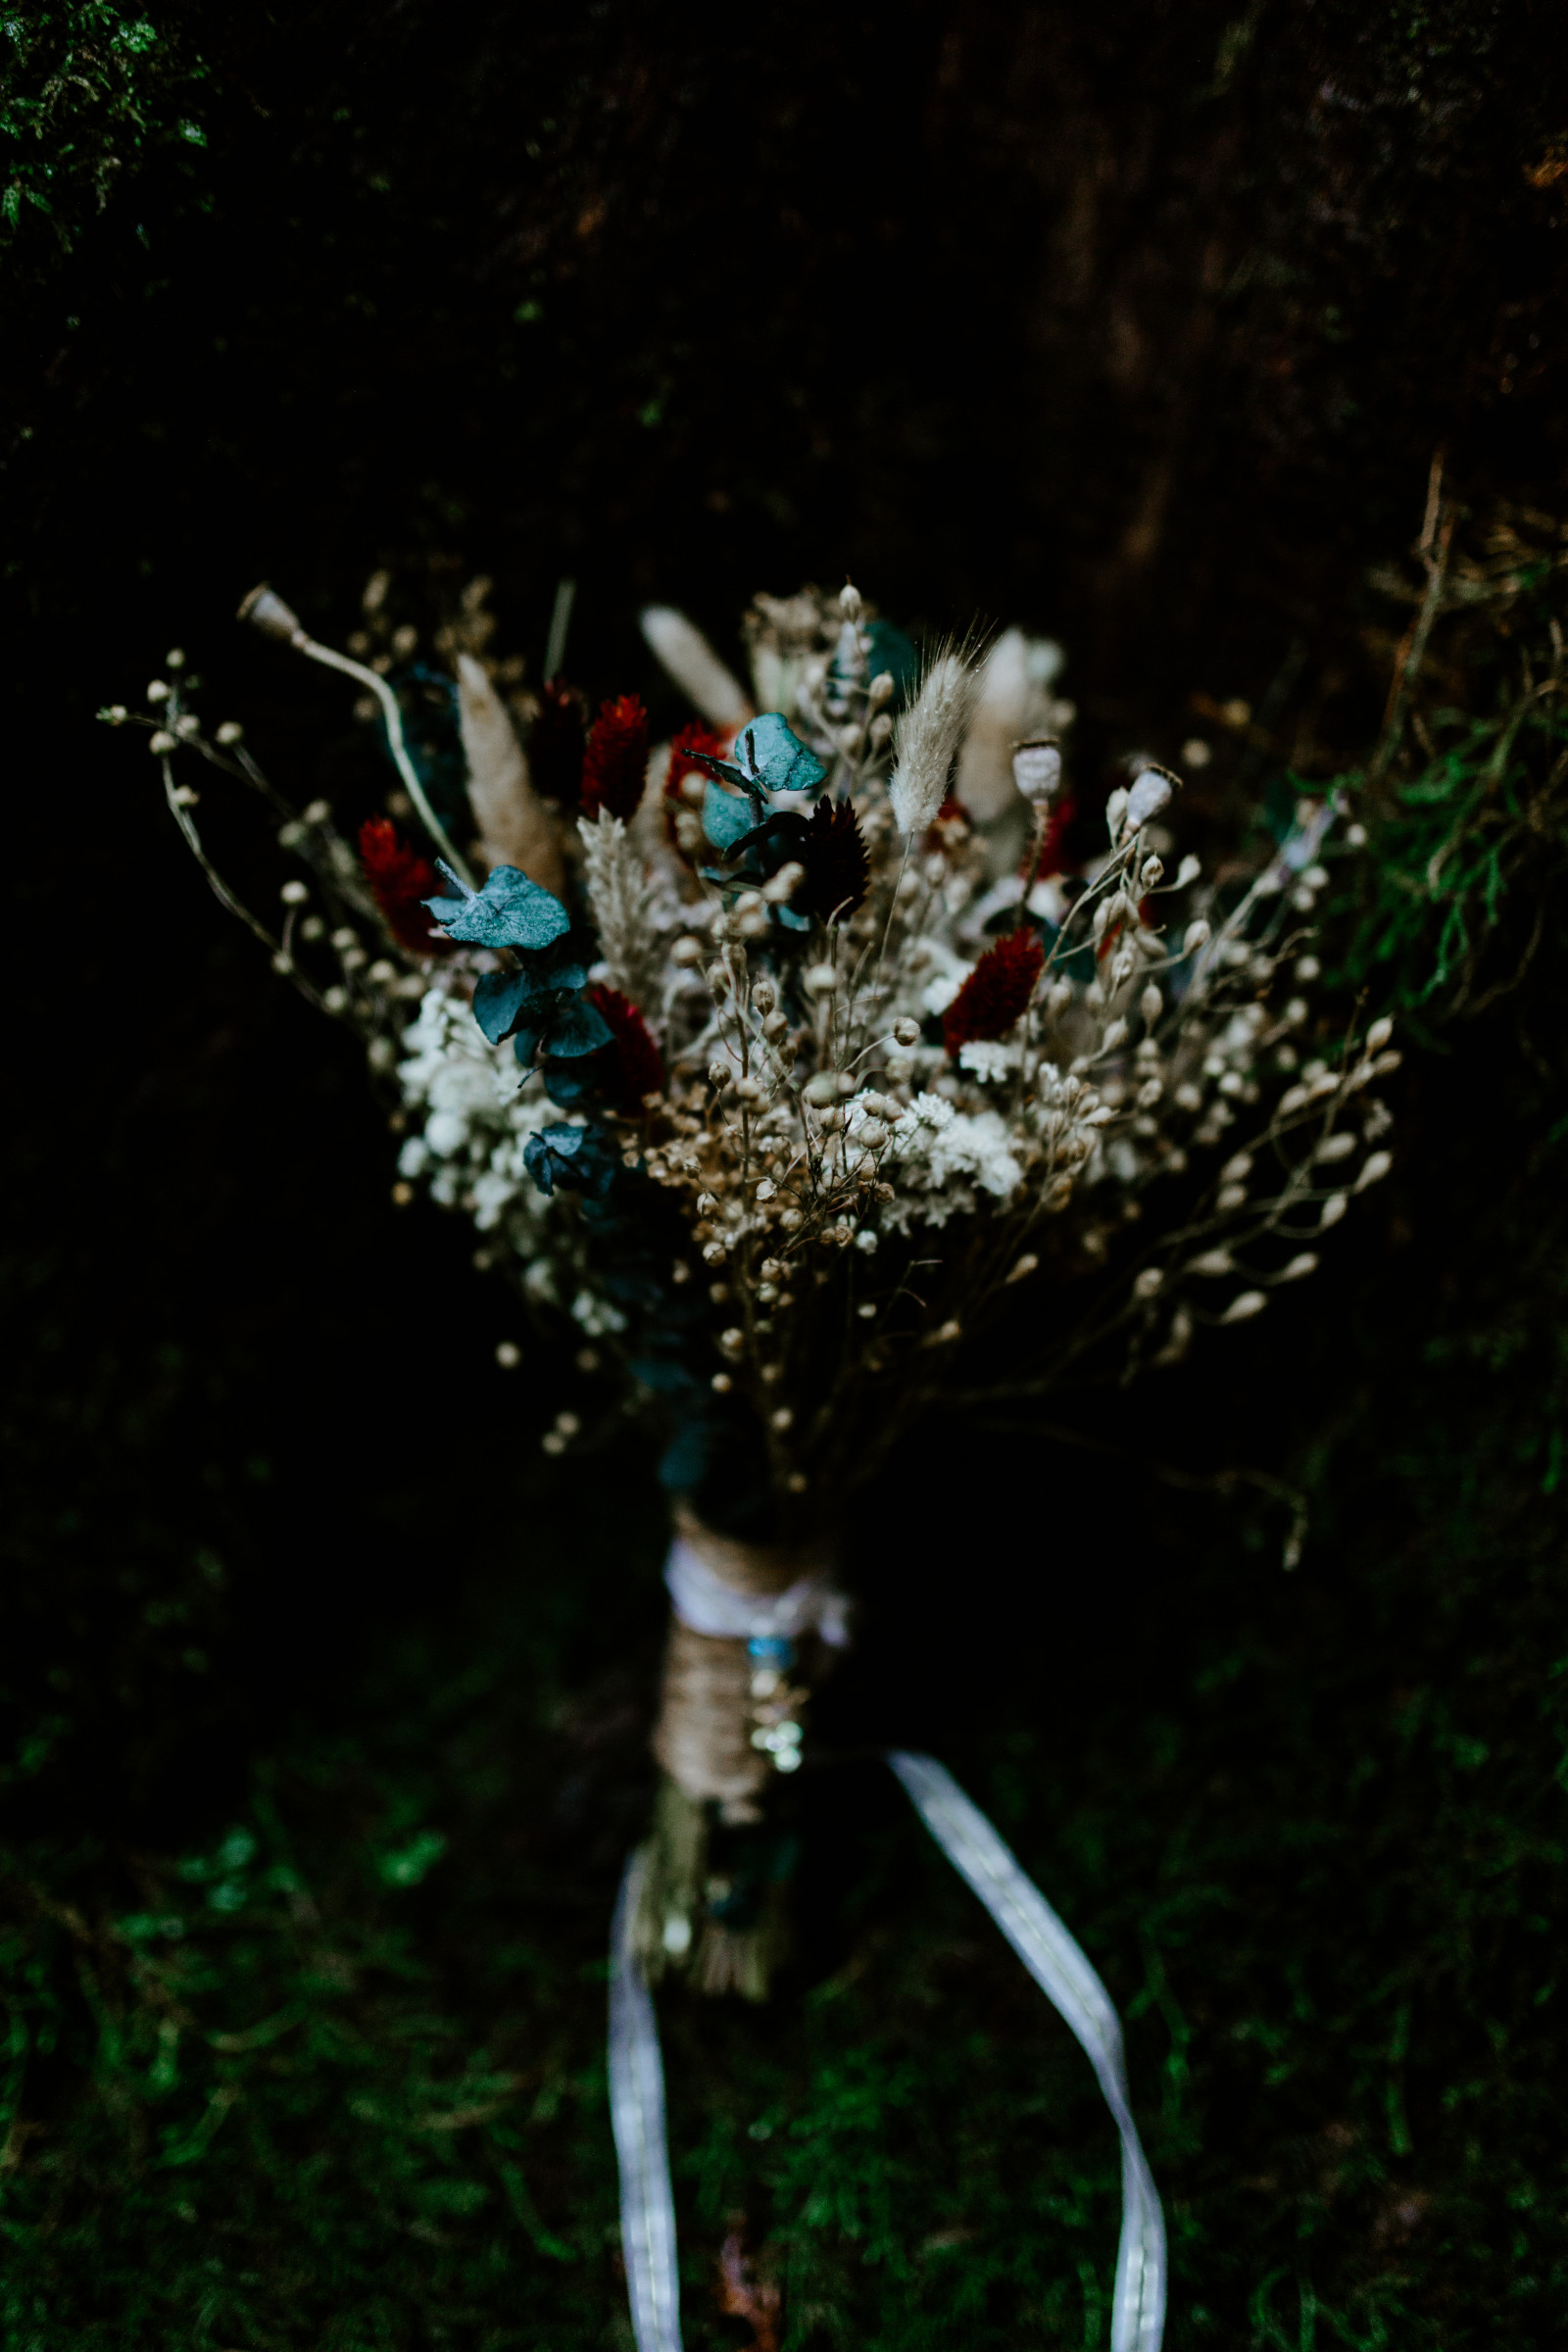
(1304, 1263)
(1037, 768)
(1151, 793)
(1198, 936)
(749, 1090)
(229, 732)
(850, 601)
(1212, 1261)
(1115, 810)
(1153, 873)
(1378, 1036)
(1374, 1169)
(764, 992)
(1149, 1091)
(686, 951)
(1333, 1208)
(1335, 1146)
(775, 1027)
(161, 742)
(266, 611)
(782, 1419)
(1114, 1036)
(718, 978)
(1024, 1267)
(1237, 1169)
(1146, 1284)
(1187, 871)
(722, 1384)
(718, 1073)
(1229, 1197)
(782, 886)
(905, 1032)
(1307, 968)
(157, 691)
(1058, 995)
(822, 1089)
(1243, 1306)
(753, 923)
(821, 979)
(1151, 1003)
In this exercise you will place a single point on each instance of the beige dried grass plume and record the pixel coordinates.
(927, 739)
(514, 826)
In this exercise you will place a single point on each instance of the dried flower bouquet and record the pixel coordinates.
(804, 1069)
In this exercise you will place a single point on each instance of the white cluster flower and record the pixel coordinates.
(476, 1122)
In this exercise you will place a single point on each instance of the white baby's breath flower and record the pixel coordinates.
(990, 1061)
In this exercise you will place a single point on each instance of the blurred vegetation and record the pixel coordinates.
(325, 1695)
(89, 94)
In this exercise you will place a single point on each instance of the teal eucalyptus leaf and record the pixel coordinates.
(511, 911)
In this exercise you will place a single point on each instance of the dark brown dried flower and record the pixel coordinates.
(838, 872)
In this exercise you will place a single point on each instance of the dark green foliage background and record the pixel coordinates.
(326, 1697)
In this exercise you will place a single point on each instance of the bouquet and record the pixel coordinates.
(822, 1064)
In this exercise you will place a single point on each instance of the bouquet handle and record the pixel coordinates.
(1048, 1951)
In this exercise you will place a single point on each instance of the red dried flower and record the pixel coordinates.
(614, 767)
(996, 992)
(838, 872)
(693, 737)
(400, 878)
(555, 742)
(631, 1063)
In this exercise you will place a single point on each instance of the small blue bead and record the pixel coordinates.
(773, 1647)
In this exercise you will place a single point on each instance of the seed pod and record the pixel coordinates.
(1243, 1306)
(1151, 793)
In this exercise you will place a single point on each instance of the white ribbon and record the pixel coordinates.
(1063, 1974)
(1048, 1952)
(637, 2119)
(705, 1602)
